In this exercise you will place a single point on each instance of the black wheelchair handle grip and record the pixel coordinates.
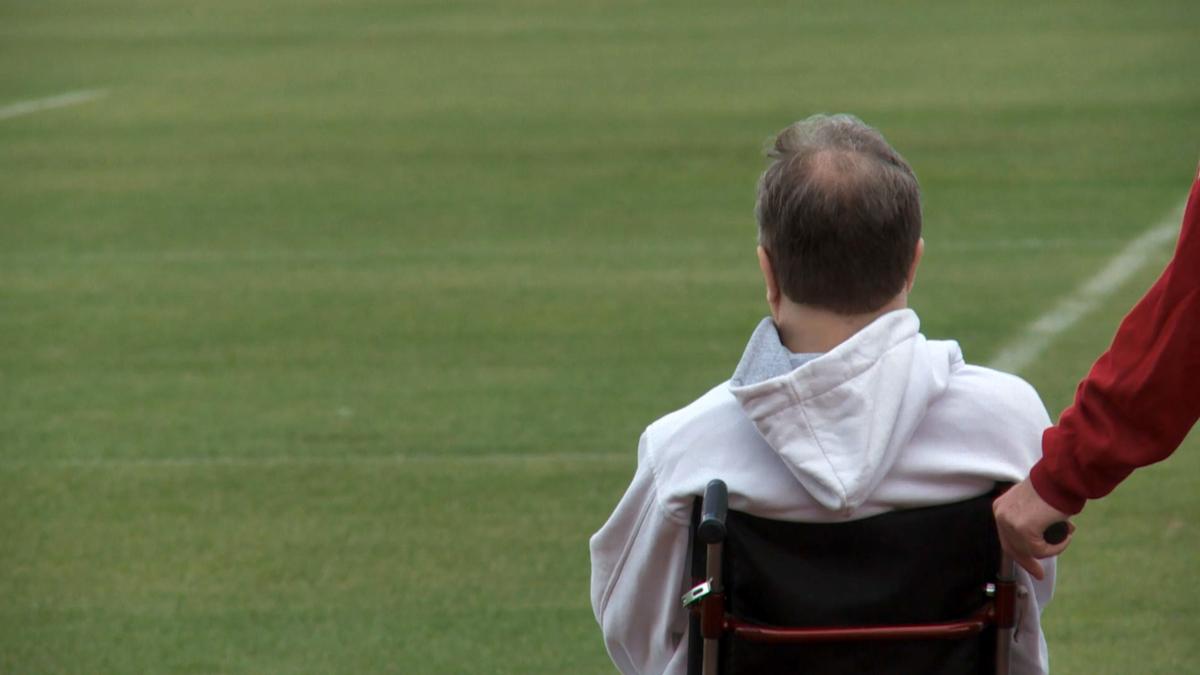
(1057, 533)
(712, 512)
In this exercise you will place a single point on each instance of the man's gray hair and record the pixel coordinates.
(839, 214)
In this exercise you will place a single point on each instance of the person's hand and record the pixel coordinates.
(1021, 518)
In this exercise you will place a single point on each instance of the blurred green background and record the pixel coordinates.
(329, 328)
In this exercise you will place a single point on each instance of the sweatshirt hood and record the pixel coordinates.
(839, 421)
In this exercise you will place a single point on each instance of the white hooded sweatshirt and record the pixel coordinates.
(886, 420)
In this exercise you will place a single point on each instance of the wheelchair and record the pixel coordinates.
(924, 590)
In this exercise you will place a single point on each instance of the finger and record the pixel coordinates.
(1032, 566)
(1016, 545)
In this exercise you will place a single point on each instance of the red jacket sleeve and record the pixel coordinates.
(1142, 396)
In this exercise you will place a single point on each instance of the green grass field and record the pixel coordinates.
(328, 333)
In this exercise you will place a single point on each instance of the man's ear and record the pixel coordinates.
(912, 269)
(768, 272)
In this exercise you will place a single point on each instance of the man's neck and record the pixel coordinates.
(805, 329)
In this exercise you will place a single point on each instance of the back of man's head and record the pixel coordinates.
(839, 214)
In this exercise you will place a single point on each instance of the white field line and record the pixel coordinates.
(348, 460)
(61, 101)
(1041, 333)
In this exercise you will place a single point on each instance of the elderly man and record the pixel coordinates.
(839, 408)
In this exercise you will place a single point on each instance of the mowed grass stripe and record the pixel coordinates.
(221, 568)
(339, 460)
(492, 251)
